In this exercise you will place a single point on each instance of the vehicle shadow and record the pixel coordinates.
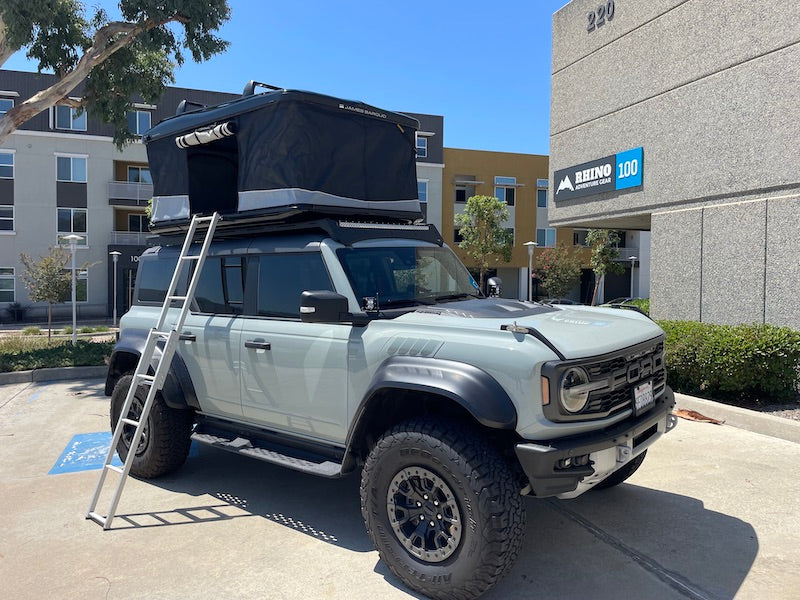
(628, 541)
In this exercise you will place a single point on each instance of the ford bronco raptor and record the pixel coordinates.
(335, 344)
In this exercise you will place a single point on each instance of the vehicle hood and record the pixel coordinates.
(575, 331)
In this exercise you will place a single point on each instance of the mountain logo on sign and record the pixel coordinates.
(565, 184)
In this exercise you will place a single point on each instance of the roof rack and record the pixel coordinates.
(345, 231)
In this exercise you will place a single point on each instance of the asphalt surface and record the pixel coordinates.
(712, 514)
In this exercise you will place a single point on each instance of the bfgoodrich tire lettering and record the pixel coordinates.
(167, 435)
(442, 459)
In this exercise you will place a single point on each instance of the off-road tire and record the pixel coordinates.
(622, 474)
(167, 436)
(485, 493)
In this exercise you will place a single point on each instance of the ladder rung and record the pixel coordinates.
(114, 468)
(177, 297)
(145, 377)
(160, 333)
(192, 257)
(130, 422)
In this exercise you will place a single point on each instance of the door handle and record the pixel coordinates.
(257, 345)
(187, 337)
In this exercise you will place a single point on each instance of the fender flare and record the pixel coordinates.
(469, 386)
(178, 390)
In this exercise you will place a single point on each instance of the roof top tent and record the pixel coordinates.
(283, 156)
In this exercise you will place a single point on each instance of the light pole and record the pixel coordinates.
(531, 246)
(115, 257)
(73, 245)
(633, 263)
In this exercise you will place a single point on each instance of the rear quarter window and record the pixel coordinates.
(153, 278)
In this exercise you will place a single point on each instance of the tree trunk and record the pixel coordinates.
(597, 280)
(49, 321)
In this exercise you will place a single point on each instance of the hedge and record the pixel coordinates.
(20, 353)
(752, 363)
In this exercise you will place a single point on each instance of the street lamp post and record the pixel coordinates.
(115, 257)
(633, 264)
(73, 245)
(531, 246)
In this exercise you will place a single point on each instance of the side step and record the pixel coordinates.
(241, 445)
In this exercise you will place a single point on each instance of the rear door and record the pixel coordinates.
(211, 349)
(294, 374)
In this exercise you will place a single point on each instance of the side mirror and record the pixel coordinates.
(322, 306)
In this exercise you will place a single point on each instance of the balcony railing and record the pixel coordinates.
(126, 190)
(129, 238)
(627, 251)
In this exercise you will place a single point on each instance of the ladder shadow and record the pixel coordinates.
(325, 509)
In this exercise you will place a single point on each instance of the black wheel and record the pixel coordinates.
(167, 432)
(442, 508)
(622, 474)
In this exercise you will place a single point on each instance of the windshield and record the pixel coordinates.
(405, 276)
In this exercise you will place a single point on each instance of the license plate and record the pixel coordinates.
(643, 397)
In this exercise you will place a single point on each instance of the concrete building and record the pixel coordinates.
(681, 118)
(520, 180)
(61, 174)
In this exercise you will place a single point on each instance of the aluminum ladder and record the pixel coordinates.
(155, 381)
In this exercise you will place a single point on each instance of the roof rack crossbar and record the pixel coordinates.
(186, 104)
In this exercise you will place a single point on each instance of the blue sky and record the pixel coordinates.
(485, 66)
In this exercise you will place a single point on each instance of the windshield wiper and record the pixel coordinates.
(456, 296)
(400, 302)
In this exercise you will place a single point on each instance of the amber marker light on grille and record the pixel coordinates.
(545, 391)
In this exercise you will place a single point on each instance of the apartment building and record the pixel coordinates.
(60, 174)
(520, 180)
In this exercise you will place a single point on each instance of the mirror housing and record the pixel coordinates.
(323, 306)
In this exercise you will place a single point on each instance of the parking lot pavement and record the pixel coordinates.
(711, 514)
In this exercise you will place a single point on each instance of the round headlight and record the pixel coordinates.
(574, 392)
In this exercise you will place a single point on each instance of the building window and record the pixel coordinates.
(422, 146)
(71, 169)
(546, 238)
(505, 193)
(72, 220)
(81, 286)
(7, 284)
(138, 223)
(422, 190)
(139, 175)
(511, 231)
(541, 198)
(6, 165)
(6, 217)
(461, 194)
(579, 237)
(457, 236)
(542, 183)
(6, 104)
(70, 118)
(138, 121)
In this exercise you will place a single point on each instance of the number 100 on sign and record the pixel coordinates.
(629, 169)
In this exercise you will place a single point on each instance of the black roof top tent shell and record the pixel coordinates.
(283, 156)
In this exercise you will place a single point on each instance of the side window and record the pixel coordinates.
(282, 278)
(154, 275)
(221, 284)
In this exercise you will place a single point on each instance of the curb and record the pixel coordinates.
(56, 374)
(742, 418)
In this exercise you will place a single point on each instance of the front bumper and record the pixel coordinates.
(540, 462)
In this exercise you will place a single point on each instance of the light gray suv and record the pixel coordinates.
(340, 347)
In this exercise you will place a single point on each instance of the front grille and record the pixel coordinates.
(619, 373)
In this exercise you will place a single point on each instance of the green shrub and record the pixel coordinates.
(32, 330)
(86, 329)
(755, 363)
(67, 330)
(19, 353)
(102, 328)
